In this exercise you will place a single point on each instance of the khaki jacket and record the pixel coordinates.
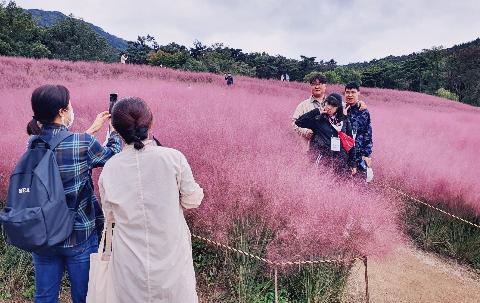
(146, 192)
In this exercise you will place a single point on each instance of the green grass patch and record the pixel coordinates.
(225, 276)
(16, 273)
(442, 234)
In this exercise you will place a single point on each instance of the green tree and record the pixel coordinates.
(444, 93)
(434, 73)
(463, 75)
(311, 75)
(308, 65)
(264, 65)
(349, 75)
(138, 51)
(220, 62)
(38, 50)
(19, 35)
(198, 49)
(333, 77)
(172, 60)
(73, 39)
(383, 74)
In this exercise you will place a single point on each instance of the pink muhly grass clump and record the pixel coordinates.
(242, 149)
(244, 153)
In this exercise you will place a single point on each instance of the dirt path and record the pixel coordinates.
(410, 275)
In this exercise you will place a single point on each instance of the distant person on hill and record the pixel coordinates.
(123, 58)
(362, 129)
(287, 77)
(145, 190)
(229, 79)
(282, 78)
(76, 155)
(332, 144)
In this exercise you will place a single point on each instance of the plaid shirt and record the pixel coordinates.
(76, 157)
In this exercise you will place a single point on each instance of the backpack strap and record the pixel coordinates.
(62, 135)
(53, 143)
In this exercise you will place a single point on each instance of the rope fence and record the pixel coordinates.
(428, 205)
(276, 264)
(364, 259)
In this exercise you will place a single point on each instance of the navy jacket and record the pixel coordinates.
(360, 121)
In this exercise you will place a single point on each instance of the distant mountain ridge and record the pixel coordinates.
(50, 18)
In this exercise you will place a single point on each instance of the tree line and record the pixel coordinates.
(451, 73)
(69, 39)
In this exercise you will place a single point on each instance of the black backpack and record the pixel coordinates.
(36, 215)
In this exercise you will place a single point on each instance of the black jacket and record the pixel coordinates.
(323, 131)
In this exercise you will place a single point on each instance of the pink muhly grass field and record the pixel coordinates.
(428, 146)
(244, 153)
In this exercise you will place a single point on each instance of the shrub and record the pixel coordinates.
(445, 93)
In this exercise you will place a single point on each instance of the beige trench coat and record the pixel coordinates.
(145, 192)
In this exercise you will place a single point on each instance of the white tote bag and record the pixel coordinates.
(100, 283)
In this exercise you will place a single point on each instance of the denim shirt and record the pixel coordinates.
(76, 157)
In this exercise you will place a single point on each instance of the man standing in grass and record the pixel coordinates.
(318, 85)
(124, 58)
(229, 79)
(362, 129)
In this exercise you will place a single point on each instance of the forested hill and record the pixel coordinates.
(452, 72)
(444, 51)
(50, 18)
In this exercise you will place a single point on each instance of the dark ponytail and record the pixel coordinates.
(132, 118)
(47, 101)
(141, 133)
(138, 144)
(33, 128)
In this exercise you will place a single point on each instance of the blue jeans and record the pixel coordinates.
(49, 270)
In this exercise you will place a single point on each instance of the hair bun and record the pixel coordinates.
(138, 145)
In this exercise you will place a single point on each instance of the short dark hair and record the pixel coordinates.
(46, 101)
(335, 100)
(132, 118)
(317, 77)
(352, 85)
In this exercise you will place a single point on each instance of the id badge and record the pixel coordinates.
(335, 144)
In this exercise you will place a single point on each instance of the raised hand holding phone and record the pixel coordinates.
(98, 123)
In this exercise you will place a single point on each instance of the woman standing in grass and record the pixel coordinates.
(330, 129)
(144, 190)
(76, 156)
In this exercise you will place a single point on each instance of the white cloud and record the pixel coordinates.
(345, 30)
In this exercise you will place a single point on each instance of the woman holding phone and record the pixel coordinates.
(76, 157)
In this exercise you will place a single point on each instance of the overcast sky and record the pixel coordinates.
(345, 30)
